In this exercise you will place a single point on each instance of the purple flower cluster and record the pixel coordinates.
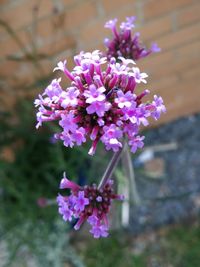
(124, 44)
(87, 204)
(101, 104)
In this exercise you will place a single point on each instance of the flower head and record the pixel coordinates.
(124, 43)
(111, 24)
(159, 107)
(87, 204)
(128, 24)
(99, 230)
(81, 201)
(99, 103)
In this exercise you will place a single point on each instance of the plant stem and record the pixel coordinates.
(129, 172)
(110, 168)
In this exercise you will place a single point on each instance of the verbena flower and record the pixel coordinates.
(89, 204)
(101, 103)
(124, 43)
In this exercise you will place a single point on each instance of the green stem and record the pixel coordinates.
(129, 172)
(111, 167)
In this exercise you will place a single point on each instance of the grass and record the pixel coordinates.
(113, 251)
(177, 246)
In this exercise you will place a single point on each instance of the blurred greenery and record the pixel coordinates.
(31, 167)
(113, 251)
(177, 246)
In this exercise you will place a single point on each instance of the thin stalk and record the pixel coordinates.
(111, 167)
(129, 172)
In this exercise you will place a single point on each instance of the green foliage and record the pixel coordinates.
(112, 251)
(35, 171)
(42, 244)
(37, 167)
(185, 245)
(177, 247)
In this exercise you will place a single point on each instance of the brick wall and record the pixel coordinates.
(42, 32)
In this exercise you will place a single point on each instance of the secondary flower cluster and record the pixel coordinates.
(101, 104)
(87, 204)
(124, 44)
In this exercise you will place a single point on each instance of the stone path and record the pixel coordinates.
(173, 193)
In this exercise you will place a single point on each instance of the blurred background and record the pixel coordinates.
(163, 228)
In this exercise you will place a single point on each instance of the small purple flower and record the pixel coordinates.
(98, 107)
(111, 23)
(61, 66)
(159, 107)
(85, 59)
(126, 61)
(124, 100)
(113, 144)
(66, 213)
(60, 200)
(99, 231)
(100, 122)
(94, 94)
(111, 136)
(69, 98)
(139, 77)
(111, 131)
(155, 48)
(89, 204)
(99, 199)
(81, 201)
(136, 116)
(136, 142)
(92, 220)
(124, 43)
(68, 141)
(67, 122)
(119, 68)
(131, 129)
(79, 136)
(65, 183)
(128, 24)
(54, 90)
